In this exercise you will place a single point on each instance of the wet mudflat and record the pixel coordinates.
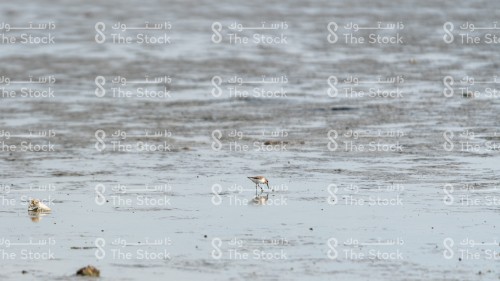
(381, 146)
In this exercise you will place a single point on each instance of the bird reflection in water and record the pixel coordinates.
(260, 199)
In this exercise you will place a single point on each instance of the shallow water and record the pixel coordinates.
(370, 180)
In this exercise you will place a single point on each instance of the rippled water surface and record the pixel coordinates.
(382, 157)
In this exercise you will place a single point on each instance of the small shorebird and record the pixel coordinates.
(38, 206)
(259, 180)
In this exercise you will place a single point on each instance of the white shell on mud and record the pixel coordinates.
(37, 206)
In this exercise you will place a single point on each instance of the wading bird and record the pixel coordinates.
(259, 180)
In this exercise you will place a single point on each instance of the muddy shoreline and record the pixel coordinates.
(382, 158)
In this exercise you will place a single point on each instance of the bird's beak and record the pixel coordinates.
(267, 183)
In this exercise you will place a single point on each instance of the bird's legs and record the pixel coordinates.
(261, 190)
